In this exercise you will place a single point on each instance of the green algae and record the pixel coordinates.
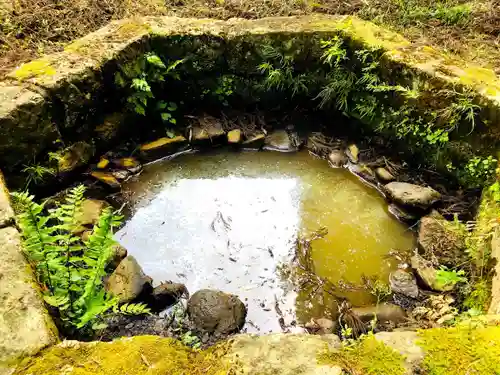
(139, 355)
(364, 357)
(461, 351)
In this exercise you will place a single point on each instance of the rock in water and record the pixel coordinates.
(254, 142)
(216, 312)
(74, 156)
(410, 195)
(89, 214)
(279, 140)
(128, 281)
(403, 282)
(321, 326)
(353, 153)
(337, 158)
(165, 295)
(384, 175)
(437, 239)
(119, 253)
(384, 312)
(428, 274)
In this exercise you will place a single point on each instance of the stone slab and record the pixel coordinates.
(25, 325)
(6, 212)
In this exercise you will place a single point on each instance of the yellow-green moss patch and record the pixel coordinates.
(461, 351)
(367, 356)
(139, 355)
(36, 68)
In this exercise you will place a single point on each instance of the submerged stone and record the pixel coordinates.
(384, 312)
(401, 214)
(337, 158)
(254, 142)
(107, 178)
(163, 147)
(128, 281)
(280, 140)
(410, 195)
(216, 312)
(364, 172)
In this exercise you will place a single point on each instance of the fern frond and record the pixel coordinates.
(132, 309)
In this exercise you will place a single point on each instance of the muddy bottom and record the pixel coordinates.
(230, 221)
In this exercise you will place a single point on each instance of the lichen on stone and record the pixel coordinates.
(139, 355)
(366, 356)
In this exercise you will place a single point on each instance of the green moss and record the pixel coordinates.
(36, 68)
(366, 356)
(461, 351)
(139, 355)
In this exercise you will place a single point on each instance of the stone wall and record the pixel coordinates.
(59, 99)
(25, 325)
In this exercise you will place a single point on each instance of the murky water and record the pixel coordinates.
(230, 221)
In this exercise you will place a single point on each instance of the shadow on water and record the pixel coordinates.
(230, 221)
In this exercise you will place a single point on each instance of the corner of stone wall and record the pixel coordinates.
(25, 325)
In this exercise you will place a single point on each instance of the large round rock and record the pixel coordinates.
(409, 195)
(216, 312)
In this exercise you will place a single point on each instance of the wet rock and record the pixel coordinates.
(352, 153)
(119, 254)
(103, 163)
(107, 178)
(337, 158)
(321, 326)
(428, 274)
(121, 175)
(163, 147)
(384, 175)
(165, 295)
(279, 140)
(118, 325)
(254, 142)
(74, 156)
(409, 195)
(128, 281)
(403, 282)
(130, 164)
(208, 133)
(401, 214)
(89, 214)
(364, 172)
(216, 312)
(384, 312)
(234, 136)
(437, 239)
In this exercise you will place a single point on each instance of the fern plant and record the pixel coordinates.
(69, 270)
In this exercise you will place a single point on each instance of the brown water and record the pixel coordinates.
(228, 221)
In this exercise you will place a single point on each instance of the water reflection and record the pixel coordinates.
(227, 233)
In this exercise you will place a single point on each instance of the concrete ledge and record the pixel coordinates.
(25, 325)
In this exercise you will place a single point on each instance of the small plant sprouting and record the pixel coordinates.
(447, 277)
(140, 77)
(37, 173)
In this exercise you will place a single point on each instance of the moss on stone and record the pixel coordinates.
(461, 351)
(138, 355)
(366, 356)
(35, 68)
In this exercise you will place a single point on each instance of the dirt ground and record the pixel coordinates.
(30, 28)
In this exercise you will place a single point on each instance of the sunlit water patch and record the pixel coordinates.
(230, 221)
